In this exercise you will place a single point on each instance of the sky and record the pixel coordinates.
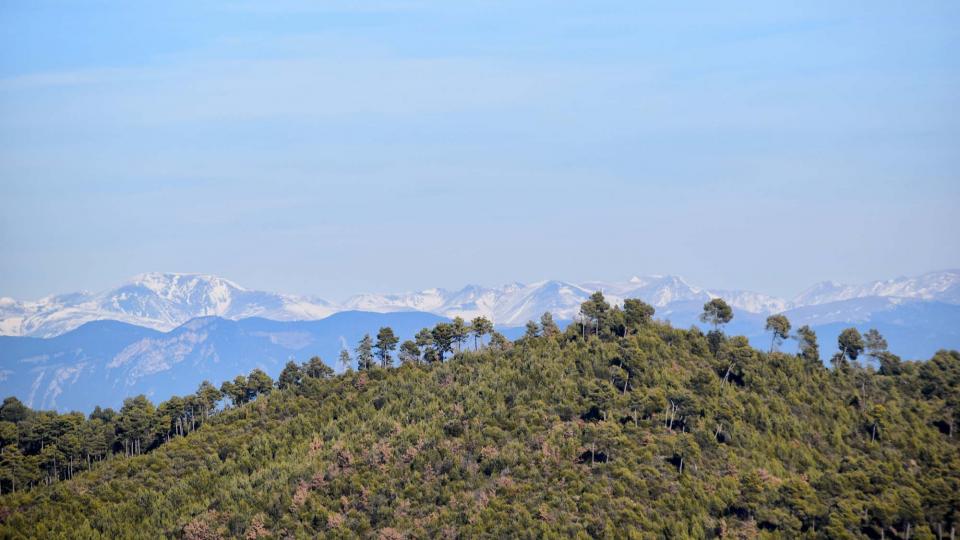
(338, 147)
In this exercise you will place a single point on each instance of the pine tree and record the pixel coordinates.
(779, 326)
(596, 310)
(345, 361)
(13, 410)
(442, 336)
(137, 425)
(716, 312)
(875, 344)
(386, 342)
(809, 350)
(499, 342)
(236, 390)
(364, 353)
(317, 368)
(549, 327)
(258, 383)
(459, 332)
(290, 376)
(409, 352)
(637, 313)
(207, 397)
(424, 340)
(479, 327)
(532, 331)
(850, 345)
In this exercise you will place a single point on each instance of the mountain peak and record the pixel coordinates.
(165, 281)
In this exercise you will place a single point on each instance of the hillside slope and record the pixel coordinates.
(645, 435)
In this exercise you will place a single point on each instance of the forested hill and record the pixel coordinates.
(620, 426)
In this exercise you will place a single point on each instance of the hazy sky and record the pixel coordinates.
(378, 146)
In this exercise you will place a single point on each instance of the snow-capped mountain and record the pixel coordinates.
(512, 304)
(752, 301)
(430, 300)
(942, 286)
(516, 303)
(656, 290)
(163, 301)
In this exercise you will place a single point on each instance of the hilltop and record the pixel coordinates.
(621, 427)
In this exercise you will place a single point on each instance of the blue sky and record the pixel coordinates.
(339, 147)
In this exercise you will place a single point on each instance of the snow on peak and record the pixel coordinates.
(751, 301)
(165, 300)
(171, 283)
(943, 286)
(156, 300)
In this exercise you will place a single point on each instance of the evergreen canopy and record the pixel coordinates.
(603, 430)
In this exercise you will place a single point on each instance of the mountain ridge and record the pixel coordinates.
(163, 301)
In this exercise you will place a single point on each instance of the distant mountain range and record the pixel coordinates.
(103, 362)
(163, 301)
(162, 334)
(155, 300)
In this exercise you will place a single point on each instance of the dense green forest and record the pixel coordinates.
(618, 426)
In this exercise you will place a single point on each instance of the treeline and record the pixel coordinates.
(430, 344)
(41, 447)
(618, 425)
